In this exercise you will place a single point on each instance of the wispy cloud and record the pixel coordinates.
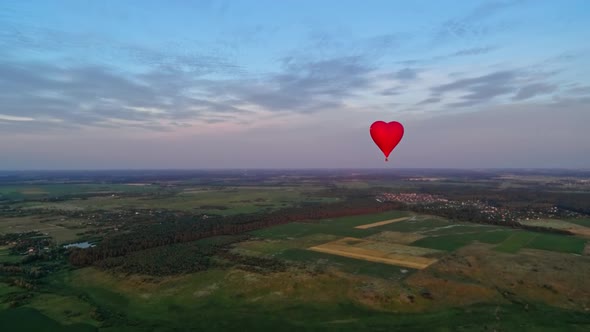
(474, 25)
(535, 89)
(518, 84)
(100, 96)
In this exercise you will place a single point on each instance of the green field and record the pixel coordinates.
(27, 319)
(7, 289)
(516, 241)
(44, 190)
(218, 300)
(558, 243)
(319, 260)
(214, 201)
(456, 241)
(416, 226)
(174, 307)
(507, 240)
(580, 221)
(337, 226)
(60, 230)
(6, 257)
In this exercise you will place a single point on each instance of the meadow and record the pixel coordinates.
(222, 201)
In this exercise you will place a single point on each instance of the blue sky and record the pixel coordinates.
(200, 84)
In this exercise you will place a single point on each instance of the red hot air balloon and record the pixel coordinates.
(387, 135)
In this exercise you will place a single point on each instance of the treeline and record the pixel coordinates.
(188, 229)
(173, 259)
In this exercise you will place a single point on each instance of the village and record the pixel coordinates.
(483, 211)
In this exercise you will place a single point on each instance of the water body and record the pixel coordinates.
(82, 245)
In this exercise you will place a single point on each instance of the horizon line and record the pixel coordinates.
(290, 169)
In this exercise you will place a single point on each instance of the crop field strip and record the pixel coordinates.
(381, 223)
(356, 250)
(395, 237)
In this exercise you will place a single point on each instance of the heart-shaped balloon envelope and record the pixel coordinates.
(387, 135)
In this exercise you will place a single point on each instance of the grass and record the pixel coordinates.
(516, 241)
(7, 289)
(580, 221)
(276, 246)
(235, 200)
(221, 311)
(349, 265)
(456, 241)
(28, 319)
(61, 231)
(415, 226)
(43, 190)
(338, 226)
(65, 309)
(558, 243)
(6, 257)
(461, 228)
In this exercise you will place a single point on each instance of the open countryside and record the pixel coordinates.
(318, 255)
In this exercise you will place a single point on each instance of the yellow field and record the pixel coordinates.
(582, 231)
(393, 254)
(381, 223)
(33, 191)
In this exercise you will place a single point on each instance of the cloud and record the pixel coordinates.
(508, 135)
(430, 100)
(101, 49)
(4, 117)
(302, 86)
(532, 90)
(53, 96)
(579, 90)
(339, 42)
(478, 89)
(87, 96)
(390, 92)
(406, 74)
(464, 52)
(474, 24)
(472, 51)
(520, 84)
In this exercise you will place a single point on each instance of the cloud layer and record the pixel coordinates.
(302, 80)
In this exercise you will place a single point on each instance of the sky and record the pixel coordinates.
(293, 84)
